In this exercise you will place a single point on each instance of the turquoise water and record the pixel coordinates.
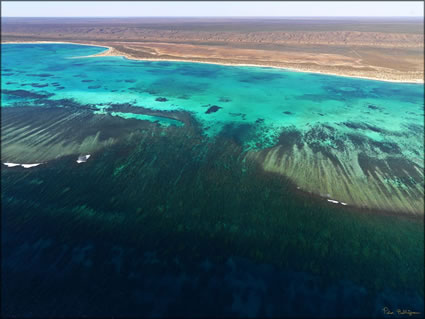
(199, 197)
(272, 98)
(369, 132)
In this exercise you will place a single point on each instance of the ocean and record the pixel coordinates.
(209, 190)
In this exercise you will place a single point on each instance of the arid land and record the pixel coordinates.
(387, 49)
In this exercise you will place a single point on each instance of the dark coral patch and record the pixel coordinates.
(164, 63)
(363, 126)
(262, 77)
(39, 85)
(161, 99)
(386, 147)
(239, 133)
(321, 133)
(399, 168)
(94, 87)
(41, 75)
(130, 81)
(213, 109)
(373, 107)
(86, 80)
(289, 137)
(26, 94)
(415, 128)
(287, 113)
(357, 139)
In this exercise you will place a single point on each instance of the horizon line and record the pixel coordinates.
(212, 16)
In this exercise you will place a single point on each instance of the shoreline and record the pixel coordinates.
(109, 52)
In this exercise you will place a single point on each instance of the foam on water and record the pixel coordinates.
(30, 165)
(83, 158)
(11, 164)
(23, 165)
(333, 201)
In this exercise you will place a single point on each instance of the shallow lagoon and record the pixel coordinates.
(244, 94)
(190, 198)
(300, 125)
